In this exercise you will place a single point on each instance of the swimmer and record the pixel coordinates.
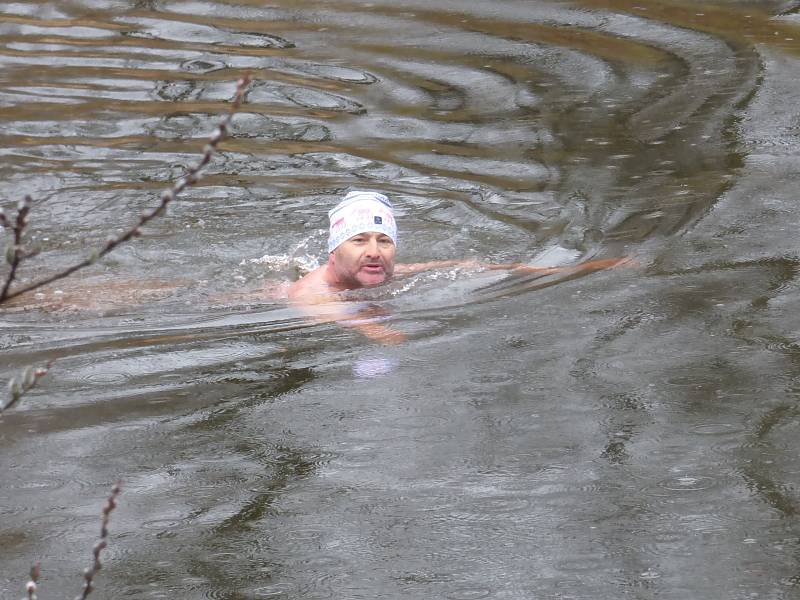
(362, 244)
(361, 254)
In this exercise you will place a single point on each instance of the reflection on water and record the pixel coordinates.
(623, 433)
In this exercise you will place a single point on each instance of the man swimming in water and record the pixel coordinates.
(361, 252)
(361, 247)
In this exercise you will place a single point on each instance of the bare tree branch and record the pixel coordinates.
(31, 587)
(17, 388)
(15, 253)
(88, 574)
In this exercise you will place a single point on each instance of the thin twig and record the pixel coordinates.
(14, 253)
(31, 587)
(88, 574)
(18, 387)
(191, 177)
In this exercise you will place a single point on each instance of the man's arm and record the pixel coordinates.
(592, 265)
(97, 294)
(409, 268)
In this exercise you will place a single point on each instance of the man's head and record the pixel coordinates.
(362, 240)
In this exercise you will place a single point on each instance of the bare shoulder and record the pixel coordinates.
(309, 287)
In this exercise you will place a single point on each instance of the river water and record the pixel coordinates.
(625, 433)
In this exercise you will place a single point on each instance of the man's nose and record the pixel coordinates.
(372, 247)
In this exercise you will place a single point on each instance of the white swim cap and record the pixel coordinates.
(360, 212)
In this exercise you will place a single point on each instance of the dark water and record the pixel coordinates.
(630, 433)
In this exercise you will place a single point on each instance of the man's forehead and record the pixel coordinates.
(369, 233)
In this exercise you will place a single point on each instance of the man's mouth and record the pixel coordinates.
(372, 268)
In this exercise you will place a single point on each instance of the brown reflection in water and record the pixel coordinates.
(751, 25)
(597, 43)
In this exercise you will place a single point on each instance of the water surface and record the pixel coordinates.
(629, 433)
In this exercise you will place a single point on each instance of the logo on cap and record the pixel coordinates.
(378, 220)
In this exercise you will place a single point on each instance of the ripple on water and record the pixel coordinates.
(430, 430)
(217, 594)
(40, 11)
(7, 510)
(279, 589)
(270, 93)
(202, 66)
(108, 370)
(528, 172)
(45, 485)
(250, 125)
(358, 457)
(585, 562)
(50, 521)
(126, 427)
(107, 378)
(676, 535)
(493, 379)
(225, 557)
(416, 422)
(468, 593)
(49, 527)
(174, 91)
(403, 427)
(164, 527)
(179, 125)
(181, 31)
(477, 510)
(304, 536)
(717, 429)
(336, 73)
(687, 483)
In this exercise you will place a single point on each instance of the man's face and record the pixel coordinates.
(364, 260)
